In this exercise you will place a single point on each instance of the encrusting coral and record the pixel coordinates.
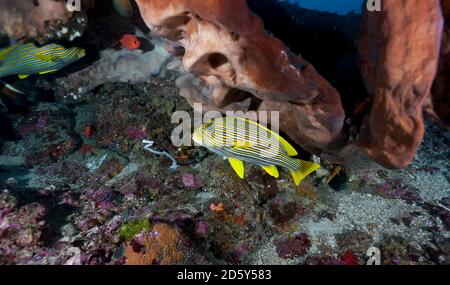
(161, 246)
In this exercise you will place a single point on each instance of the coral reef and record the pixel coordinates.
(114, 203)
(78, 185)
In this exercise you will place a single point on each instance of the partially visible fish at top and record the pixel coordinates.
(123, 7)
(239, 139)
(129, 41)
(27, 59)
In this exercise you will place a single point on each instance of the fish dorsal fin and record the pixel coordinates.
(290, 150)
(238, 166)
(272, 170)
(23, 76)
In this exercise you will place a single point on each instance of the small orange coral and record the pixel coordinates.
(216, 208)
(161, 246)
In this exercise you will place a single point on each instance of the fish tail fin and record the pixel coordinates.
(306, 168)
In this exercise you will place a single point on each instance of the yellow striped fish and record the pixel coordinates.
(239, 139)
(27, 59)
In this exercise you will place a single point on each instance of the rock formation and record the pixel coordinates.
(235, 60)
(399, 49)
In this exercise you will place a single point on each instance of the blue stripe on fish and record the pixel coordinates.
(240, 140)
(28, 59)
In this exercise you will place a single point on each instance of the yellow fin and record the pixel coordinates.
(272, 170)
(48, 71)
(290, 150)
(238, 166)
(306, 169)
(23, 76)
(241, 144)
(288, 147)
(44, 57)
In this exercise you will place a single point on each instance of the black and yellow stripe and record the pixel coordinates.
(244, 140)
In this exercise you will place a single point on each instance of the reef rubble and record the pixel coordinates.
(106, 200)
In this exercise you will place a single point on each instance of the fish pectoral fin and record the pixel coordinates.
(44, 57)
(306, 168)
(272, 170)
(48, 71)
(238, 166)
(241, 144)
(23, 76)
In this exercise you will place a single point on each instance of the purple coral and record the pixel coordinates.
(103, 194)
(41, 123)
(189, 180)
(202, 228)
(136, 133)
(146, 181)
(293, 247)
(396, 190)
(239, 252)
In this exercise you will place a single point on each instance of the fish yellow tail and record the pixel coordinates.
(306, 169)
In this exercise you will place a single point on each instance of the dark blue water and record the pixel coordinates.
(338, 6)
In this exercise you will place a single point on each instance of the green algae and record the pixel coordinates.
(129, 230)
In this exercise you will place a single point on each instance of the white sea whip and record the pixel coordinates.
(148, 147)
